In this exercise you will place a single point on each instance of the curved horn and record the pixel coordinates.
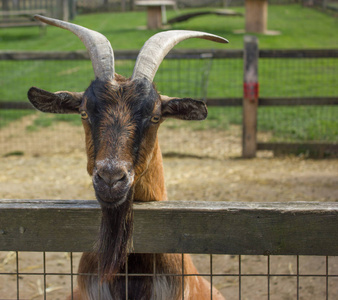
(158, 46)
(99, 49)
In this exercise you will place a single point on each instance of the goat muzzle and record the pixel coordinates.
(112, 182)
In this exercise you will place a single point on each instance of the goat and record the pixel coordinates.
(121, 118)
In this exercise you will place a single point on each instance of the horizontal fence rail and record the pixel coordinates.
(298, 228)
(119, 54)
(173, 54)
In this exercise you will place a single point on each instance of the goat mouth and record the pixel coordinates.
(112, 195)
(110, 202)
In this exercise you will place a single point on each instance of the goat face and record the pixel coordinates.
(120, 116)
(121, 125)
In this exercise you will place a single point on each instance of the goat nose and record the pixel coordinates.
(112, 177)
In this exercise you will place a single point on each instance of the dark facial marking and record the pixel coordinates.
(115, 237)
(120, 118)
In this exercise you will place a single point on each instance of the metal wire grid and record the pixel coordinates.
(181, 78)
(278, 77)
(294, 77)
(330, 291)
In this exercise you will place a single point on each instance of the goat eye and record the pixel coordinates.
(155, 119)
(84, 115)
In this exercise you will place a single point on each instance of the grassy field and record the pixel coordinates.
(300, 28)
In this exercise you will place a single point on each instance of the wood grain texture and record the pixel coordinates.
(176, 227)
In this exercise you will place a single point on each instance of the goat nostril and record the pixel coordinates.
(111, 178)
(123, 177)
(103, 177)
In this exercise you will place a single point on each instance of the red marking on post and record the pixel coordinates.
(251, 91)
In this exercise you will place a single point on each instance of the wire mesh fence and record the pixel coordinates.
(37, 133)
(53, 275)
(204, 75)
(298, 78)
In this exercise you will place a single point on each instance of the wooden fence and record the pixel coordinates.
(251, 100)
(227, 229)
(11, 9)
(299, 228)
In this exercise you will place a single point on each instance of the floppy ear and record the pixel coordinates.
(184, 109)
(58, 103)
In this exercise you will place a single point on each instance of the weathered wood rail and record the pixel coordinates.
(298, 228)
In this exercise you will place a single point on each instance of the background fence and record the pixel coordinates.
(237, 234)
(60, 9)
(297, 101)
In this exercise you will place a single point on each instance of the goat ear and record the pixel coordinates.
(184, 109)
(59, 102)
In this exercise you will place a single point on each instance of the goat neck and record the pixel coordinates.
(150, 185)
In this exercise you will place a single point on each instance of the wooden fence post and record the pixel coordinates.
(65, 10)
(250, 97)
(256, 15)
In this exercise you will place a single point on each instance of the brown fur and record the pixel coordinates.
(121, 118)
(125, 162)
(196, 287)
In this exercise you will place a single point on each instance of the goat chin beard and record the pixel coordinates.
(115, 237)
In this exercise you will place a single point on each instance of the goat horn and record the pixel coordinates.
(158, 46)
(100, 51)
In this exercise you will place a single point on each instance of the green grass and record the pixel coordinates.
(300, 27)
(48, 75)
(302, 123)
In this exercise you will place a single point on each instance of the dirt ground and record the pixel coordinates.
(199, 165)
